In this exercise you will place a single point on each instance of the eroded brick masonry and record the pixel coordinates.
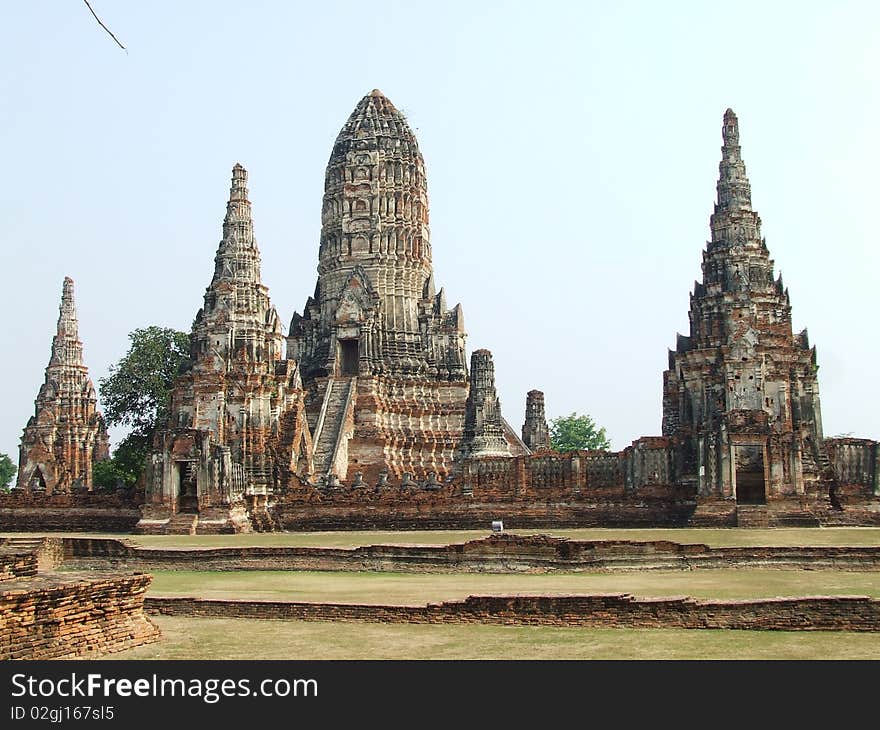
(370, 413)
(66, 435)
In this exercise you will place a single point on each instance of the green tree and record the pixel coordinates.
(570, 433)
(7, 471)
(137, 394)
(126, 464)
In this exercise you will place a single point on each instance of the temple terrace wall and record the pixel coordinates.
(821, 613)
(23, 511)
(507, 553)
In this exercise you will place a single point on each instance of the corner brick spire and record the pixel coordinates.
(483, 425)
(66, 434)
(742, 374)
(238, 320)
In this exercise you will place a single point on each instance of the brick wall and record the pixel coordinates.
(16, 565)
(839, 613)
(505, 553)
(58, 616)
(22, 511)
(398, 509)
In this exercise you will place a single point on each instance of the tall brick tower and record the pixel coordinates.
(237, 426)
(375, 310)
(535, 431)
(66, 434)
(382, 357)
(741, 397)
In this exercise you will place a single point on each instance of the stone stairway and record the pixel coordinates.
(262, 520)
(762, 515)
(753, 515)
(23, 544)
(182, 523)
(330, 423)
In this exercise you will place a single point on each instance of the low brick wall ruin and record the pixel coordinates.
(507, 553)
(448, 509)
(822, 613)
(22, 511)
(61, 616)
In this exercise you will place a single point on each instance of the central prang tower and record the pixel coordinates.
(382, 358)
(375, 310)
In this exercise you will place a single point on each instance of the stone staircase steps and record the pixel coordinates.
(757, 515)
(183, 523)
(335, 400)
(752, 516)
(24, 544)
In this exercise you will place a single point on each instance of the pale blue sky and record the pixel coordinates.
(571, 149)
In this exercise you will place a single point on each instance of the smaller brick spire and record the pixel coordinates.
(483, 425)
(535, 432)
(66, 434)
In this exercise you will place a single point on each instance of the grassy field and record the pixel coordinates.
(421, 588)
(711, 536)
(200, 638)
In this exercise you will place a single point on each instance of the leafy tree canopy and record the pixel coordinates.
(125, 466)
(7, 471)
(137, 392)
(570, 433)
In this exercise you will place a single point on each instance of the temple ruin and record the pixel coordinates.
(237, 428)
(381, 354)
(373, 419)
(66, 435)
(741, 397)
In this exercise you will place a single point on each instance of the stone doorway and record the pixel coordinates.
(349, 354)
(750, 487)
(187, 494)
(38, 482)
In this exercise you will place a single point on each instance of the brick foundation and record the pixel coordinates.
(22, 511)
(61, 616)
(822, 613)
(498, 554)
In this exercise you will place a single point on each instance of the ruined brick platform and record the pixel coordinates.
(66, 615)
(22, 511)
(497, 554)
(618, 610)
(62, 616)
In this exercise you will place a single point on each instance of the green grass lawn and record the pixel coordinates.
(422, 588)
(716, 537)
(203, 638)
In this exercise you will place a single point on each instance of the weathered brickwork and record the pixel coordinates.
(61, 616)
(14, 564)
(506, 553)
(382, 355)
(66, 434)
(237, 426)
(822, 613)
(741, 397)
